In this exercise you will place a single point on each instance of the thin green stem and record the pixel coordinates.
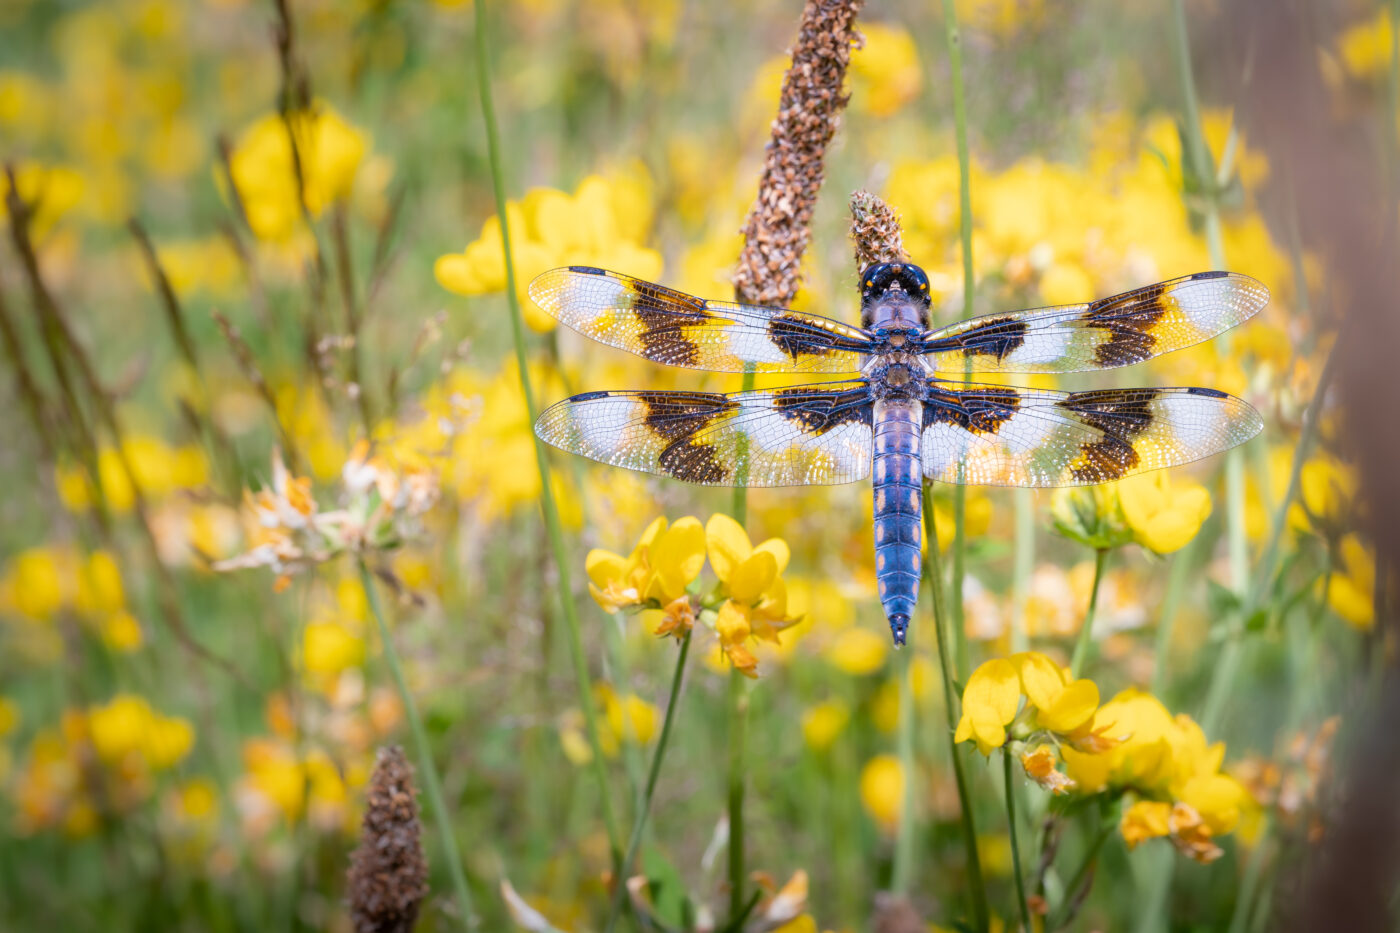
(903, 872)
(1166, 622)
(1249, 883)
(1083, 645)
(1021, 903)
(1065, 912)
(582, 681)
(955, 65)
(934, 572)
(431, 782)
(644, 799)
(738, 744)
(1022, 567)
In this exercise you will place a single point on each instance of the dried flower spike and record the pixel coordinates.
(875, 231)
(388, 873)
(778, 227)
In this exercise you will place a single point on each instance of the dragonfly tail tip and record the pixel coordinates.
(899, 624)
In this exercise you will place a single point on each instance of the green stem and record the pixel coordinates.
(1063, 914)
(1015, 845)
(934, 572)
(1022, 567)
(904, 840)
(644, 800)
(955, 65)
(431, 782)
(1249, 884)
(1166, 622)
(1082, 645)
(582, 682)
(738, 742)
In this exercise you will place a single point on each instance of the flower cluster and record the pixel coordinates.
(603, 223)
(288, 531)
(100, 759)
(1031, 699)
(41, 583)
(749, 600)
(1152, 509)
(1165, 762)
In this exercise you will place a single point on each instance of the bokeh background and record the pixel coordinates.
(182, 748)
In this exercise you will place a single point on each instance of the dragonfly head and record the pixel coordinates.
(894, 294)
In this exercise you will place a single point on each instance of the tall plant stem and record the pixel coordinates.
(644, 799)
(1182, 562)
(955, 65)
(582, 681)
(904, 840)
(1022, 567)
(738, 744)
(934, 572)
(738, 737)
(431, 782)
(1021, 903)
(1082, 645)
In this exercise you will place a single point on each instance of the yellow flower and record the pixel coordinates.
(1163, 515)
(823, 723)
(1144, 820)
(602, 224)
(50, 191)
(1039, 765)
(885, 70)
(992, 700)
(1351, 587)
(121, 632)
(751, 582)
(882, 790)
(1365, 47)
(657, 572)
(329, 648)
(264, 173)
(858, 651)
(1327, 492)
(1091, 515)
(626, 719)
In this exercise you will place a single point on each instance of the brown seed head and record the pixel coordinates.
(778, 227)
(388, 873)
(875, 231)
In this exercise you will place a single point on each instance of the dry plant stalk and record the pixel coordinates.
(388, 873)
(778, 227)
(875, 231)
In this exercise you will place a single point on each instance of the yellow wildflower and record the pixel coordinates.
(858, 651)
(1351, 587)
(263, 170)
(328, 647)
(657, 572)
(1091, 515)
(752, 585)
(992, 700)
(625, 719)
(1163, 515)
(882, 790)
(121, 632)
(885, 70)
(1039, 765)
(1144, 820)
(602, 224)
(823, 723)
(1365, 47)
(50, 191)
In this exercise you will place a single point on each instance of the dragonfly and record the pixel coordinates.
(893, 418)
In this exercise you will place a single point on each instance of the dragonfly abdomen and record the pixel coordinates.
(898, 512)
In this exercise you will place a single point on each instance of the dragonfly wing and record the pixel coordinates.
(677, 329)
(817, 435)
(996, 436)
(1103, 334)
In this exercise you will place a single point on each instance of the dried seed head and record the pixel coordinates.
(875, 231)
(778, 227)
(388, 874)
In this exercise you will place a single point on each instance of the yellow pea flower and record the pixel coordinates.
(752, 585)
(1351, 587)
(1091, 515)
(657, 572)
(1039, 765)
(990, 702)
(882, 790)
(1144, 820)
(823, 723)
(1163, 515)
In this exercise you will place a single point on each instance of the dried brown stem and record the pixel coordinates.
(778, 227)
(248, 365)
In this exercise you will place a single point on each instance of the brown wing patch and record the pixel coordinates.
(664, 314)
(819, 413)
(1129, 319)
(999, 337)
(1122, 415)
(981, 411)
(676, 417)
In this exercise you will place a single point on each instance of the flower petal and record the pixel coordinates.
(1041, 678)
(751, 577)
(729, 544)
(1072, 708)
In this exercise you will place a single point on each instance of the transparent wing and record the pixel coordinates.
(1103, 334)
(671, 327)
(806, 435)
(995, 436)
